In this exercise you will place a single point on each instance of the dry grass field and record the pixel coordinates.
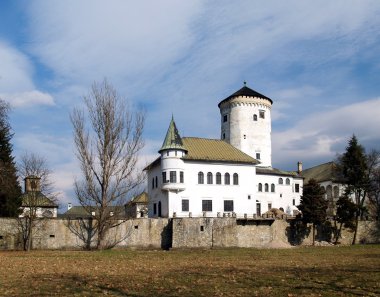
(318, 271)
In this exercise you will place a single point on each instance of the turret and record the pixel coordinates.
(172, 165)
(246, 123)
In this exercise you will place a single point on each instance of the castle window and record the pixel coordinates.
(206, 205)
(262, 114)
(272, 188)
(280, 181)
(153, 183)
(297, 188)
(245, 136)
(201, 178)
(156, 182)
(287, 181)
(155, 208)
(260, 187)
(228, 205)
(209, 178)
(255, 117)
(218, 178)
(167, 153)
(181, 177)
(227, 179)
(258, 156)
(294, 201)
(249, 197)
(224, 118)
(173, 176)
(164, 180)
(236, 179)
(269, 206)
(185, 204)
(266, 188)
(224, 136)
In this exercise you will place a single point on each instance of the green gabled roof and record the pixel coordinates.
(322, 172)
(203, 149)
(173, 139)
(36, 199)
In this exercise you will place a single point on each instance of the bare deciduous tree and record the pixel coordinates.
(35, 197)
(108, 153)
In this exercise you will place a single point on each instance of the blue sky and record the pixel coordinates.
(318, 60)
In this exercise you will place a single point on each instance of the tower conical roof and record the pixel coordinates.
(245, 91)
(172, 140)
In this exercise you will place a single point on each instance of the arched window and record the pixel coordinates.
(260, 187)
(255, 117)
(280, 181)
(288, 181)
(336, 192)
(329, 193)
(266, 188)
(227, 179)
(236, 179)
(218, 178)
(209, 178)
(201, 178)
(272, 188)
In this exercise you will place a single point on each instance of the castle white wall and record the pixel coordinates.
(242, 195)
(284, 196)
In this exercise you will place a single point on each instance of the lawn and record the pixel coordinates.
(318, 271)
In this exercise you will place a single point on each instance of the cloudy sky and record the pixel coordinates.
(318, 60)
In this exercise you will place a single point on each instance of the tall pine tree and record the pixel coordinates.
(353, 166)
(313, 205)
(10, 191)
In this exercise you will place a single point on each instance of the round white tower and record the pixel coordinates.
(246, 123)
(172, 165)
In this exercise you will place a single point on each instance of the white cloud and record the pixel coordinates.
(26, 99)
(16, 84)
(318, 135)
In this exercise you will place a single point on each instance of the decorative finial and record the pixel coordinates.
(245, 83)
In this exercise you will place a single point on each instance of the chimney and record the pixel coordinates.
(69, 206)
(299, 165)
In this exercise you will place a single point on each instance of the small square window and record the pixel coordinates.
(228, 205)
(202, 228)
(185, 204)
(206, 205)
(137, 226)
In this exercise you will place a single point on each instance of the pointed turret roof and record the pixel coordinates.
(172, 140)
(245, 91)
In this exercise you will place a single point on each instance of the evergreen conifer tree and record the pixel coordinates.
(353, 166)
(10, 191)
(313, 206)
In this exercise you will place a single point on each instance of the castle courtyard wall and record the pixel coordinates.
(163, 233)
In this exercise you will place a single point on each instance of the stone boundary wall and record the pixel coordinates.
(165, 233)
